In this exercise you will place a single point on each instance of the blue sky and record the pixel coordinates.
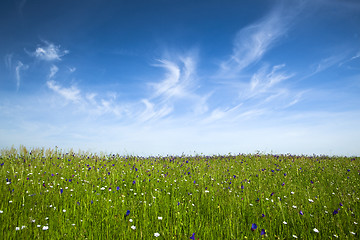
(170, 77)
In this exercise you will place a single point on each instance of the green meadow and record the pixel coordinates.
(52, 194)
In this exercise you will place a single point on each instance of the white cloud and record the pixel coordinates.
(53, 70)
(49, 52)
(8, 61)
(72, 94)
(72, 69)
(19, 67)
(152, 113)
(252, 42)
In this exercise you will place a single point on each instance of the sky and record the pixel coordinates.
(173, 77)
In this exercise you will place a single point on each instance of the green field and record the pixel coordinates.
(50, 194)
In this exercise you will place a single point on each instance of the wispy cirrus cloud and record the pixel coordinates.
(8, 60)
(71, 94)
(177, 90)
(19, 67)
(49, 52)
(53, 70)
(252, 42)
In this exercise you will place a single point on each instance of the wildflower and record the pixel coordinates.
(335, 212)
(336, 236)
(193, 236)
(341, 205)
(130, 220)
(61, 191)
(292, 192)
(301, 212)
(156, 234)
(160, 218)
(262, 232)
(127, 213)
(133, 227)
(294, 236)
(45, 228)
(17, 228)
(294, 206)
(253, 227)
(22, 227)
(64, 210)
(315, 230)
(310, 200)
(1, 211)
(284, 222)
(38, 225)
(353, 233)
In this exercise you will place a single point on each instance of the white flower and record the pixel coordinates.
(46, 218)
(294, 206)
(73, 224)
(38, 225)
(355, 223)
(130, 220)
(310, 200)
(64, 210)
(44, 227)
(1, 211)
(22, 227)
(156, 234)
(102, 188)
(294, 236)
(336, 236)
(315, 230)
(10, 201)
(284, 222)
(292, 193)
(160, 218)
(17, 228)
(352, 233)
(133, 227)
(206, 191)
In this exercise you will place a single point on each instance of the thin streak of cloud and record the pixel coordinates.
(19, 67)
(53, 70)
(8, 61)
(252, 42)
(71, 94)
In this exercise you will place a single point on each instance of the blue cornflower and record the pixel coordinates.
(253, 227)
(61, 190)
(193, 236)
(127, 213)
(335, 212)
(262, 232)
(301, 212)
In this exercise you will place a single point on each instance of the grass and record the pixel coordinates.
(50, 194)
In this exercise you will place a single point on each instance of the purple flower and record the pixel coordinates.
(134, 182)
(117, 188)
(341, 204)
(253, 227)
(242, 186)
(283, 184)
(335, 212)
(348, 170)
(61, 190)
(263, 215)
(127, 213)
(193, 236)
(301, 212)
(262, 232)
(312, 182)
(284, 174)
